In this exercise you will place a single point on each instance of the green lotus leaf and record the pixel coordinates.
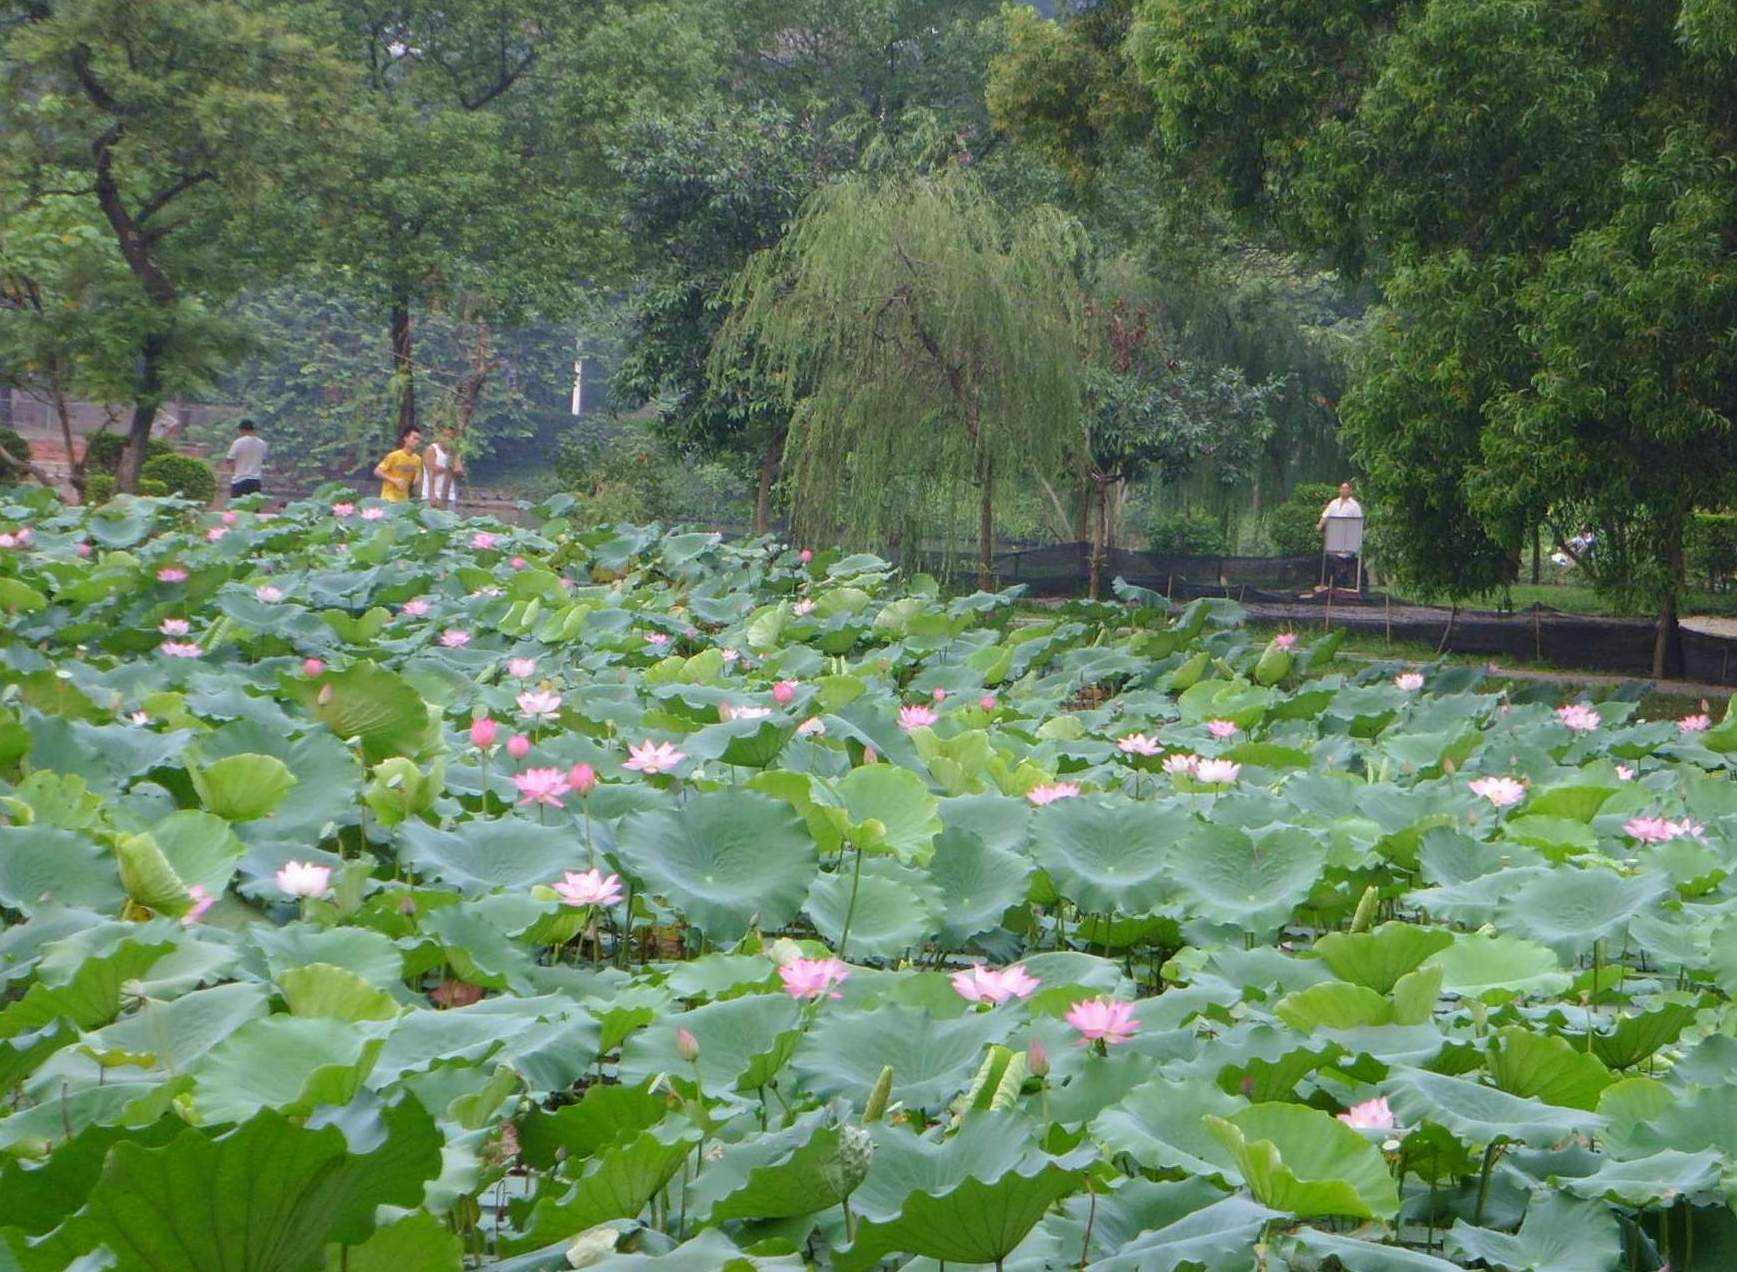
(896, 909)
(200, 848)
(1570, 910)
(616, 1184)
(812, 1166)
(744, 1042)
(1217, 1238)
(604, 1115)
(1161, 1124)
(1661, 1179)
(932, 1060)
(1557, 1233)
(89, 997)
(43, 866)
(1627, 1040)
(1109, 857)
(498, 852)
(901, 802)
(1333, 1005)
(978, 884)
(334, 993)
(1305, 1162)
(1497, 968)
(1230, 877)
(242, 787)
(1354, 1255)
(418, 1241)
(289, 1063)
(723, 858)
(373, 704)
(1479, 1114)
(1527, 1064)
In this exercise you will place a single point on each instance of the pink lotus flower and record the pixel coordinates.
(1624, 773)
(179, 649)
(1285, 641)
(1650, 830)
(1107, 1020)
(687, 1046)
(483, 732)
(726, 712)
(455, 638)
(583, 779)
(541, 786)
(1698, 723)
(171, 574)
(988, 702)
(373, 514)
(813, 977)
(1222, 729)
(589, 887)
(802, 608)
(215, 533)
(341, 510)
(521, 668)
(1217, 772)
(984, 985)
(805, 556)
(84, 549)
(938, 695)
(916, 717)
(518, 563)
(269, 594)
(1410, 681)
(140, 718)
(1371, 1115)
(1041, 795)
(303, 879)
(1181, 762)
(312, 667)
(415, 607)
(1037, 1059)
(784, 692)
(202, 901)
(229, 518)
(1502, 792)
(174, 627)
(660, 639)
(518, 746)
(1139, 744)
(652, 758)
(539, 704)
(1578, 717)
(1686, 827)
(483, 541)
(9, 540)
(455, 993)
(729, 655)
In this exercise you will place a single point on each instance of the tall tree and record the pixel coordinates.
(922, 336)
(176, 123)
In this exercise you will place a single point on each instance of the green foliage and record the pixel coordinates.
(17, 447)
(182, 475)
(1290, 526)
(99, 488)
(102, 452)
(1711, 548)
(1187, 534)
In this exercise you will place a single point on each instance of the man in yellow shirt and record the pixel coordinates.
(399, 471)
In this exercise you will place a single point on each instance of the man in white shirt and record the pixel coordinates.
(246, 461)
(441, 468)
(1343, 506)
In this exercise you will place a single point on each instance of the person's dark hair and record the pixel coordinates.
(246, 426)
(406, 431)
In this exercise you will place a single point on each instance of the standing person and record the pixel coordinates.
(441, 469)
(400, 469)
(246, 460)
(1343, 506)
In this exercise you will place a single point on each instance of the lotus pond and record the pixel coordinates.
(382, 890)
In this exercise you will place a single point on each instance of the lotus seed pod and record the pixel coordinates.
(1365, 916)
(877, 1101)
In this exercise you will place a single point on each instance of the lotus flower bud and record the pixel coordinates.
(312, 667)
(1036, 1060)
(483, 732)
(687, 1046)
(583, 780)
(518, 746)
(877, 1101)
(784, 692)
(805, 556)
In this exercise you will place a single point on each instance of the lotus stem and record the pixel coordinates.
(1491, 1153)
(850, 910)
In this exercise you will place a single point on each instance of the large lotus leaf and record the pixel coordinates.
(979, 884)
(22, 1054)
(1527, 1064)
(419, 1040)
(1161, 1124)
(1558, 1233)
(900, 801)
(1230, 877)
(743, 1043)
(496, 852)
(1378, 959)
(1216, 1238)
(267, 1196)
(711, 1251)
(372, 703)
(1625, 1041)
(1664, 1178)
(480, 939)
(1353, 1255)
(722, 858)
(1333, 1005)
(968, 1199)
(1570, 910)
(417, 1243)
(616, 1184)
(1705, 1118)
(44, 866)
(810, 1167)
(55, 799)
(1305, 1162)
(328, 770)
(108, 756)
(932, 1060)
(1109, 856)
(200, 848)
(173, 1036)
(242, 787)
(284, 1062)
(1479, 1114)
(605, 1115)
(896, 908)
(148, 877)
(90, 997)
(371, 955)
(1497, 968)
(336, 993)
(1578, 802)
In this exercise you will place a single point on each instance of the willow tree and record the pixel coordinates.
(924, 339)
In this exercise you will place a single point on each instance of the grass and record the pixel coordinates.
(1575, 599)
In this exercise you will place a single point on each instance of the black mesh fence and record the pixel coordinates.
(1064, 569)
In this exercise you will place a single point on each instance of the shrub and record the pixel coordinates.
(1711, 548)
(14, 445)
(181, 475)
(99, 488)
(102, 452)
(1291, 525)
(1187, 534)
(150, 488)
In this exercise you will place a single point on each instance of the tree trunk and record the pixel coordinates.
(1083, 536)
(1668, 643)
(986, 525)
(1537, 554)
(403, 363)
(145, 403)
(769, 463)
(1101, 541)
(6, 406)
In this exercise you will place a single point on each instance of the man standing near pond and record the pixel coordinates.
(1343, 506)
(400, 469)
(1343, 549)
(246, 461)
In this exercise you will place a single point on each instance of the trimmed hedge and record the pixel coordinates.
(181, 475)
(1291, 525)
(1711, 548)
(1187, 534)
(102, 452)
